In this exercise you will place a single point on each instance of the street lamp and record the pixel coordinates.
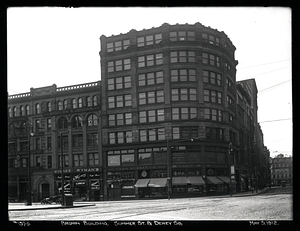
(29, 202)
(62, 168)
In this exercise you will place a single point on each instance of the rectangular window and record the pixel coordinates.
(77, 160)
(93, 159)
(184, 113)
(142, 79)
(127, 64)
(183, 75)
(143, 116)
(204, 58)
(175, 94)
(119, 101)
(49, 143)
(212, 96)
(120, 136)
(183, 94)
(120, 119)
(128, 136)
(143, 135)
(111, 120)
(160, 97)
(38, 161)
(193, 94)
(118, 65)
(140, 41)
(112, 138)
(182, 56)
(142, 98)
(110, 47)
(49, 161)
(182, 35)
(157, 38)
(150, 60)
(92, 139)
(77, 140)
(175, 133)
(48, 124)
(149, 40)
(37, 143)
(151, 97)
(110, 84)
(128, 118)
(151, 116)
(175, 113)
(160, 115)
(111, 102)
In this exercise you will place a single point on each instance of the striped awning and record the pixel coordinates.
(158, 182)
(180, 180)
(196, 180)
(214, 180)
(226, 179)
(142, 183)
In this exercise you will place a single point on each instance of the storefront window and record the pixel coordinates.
(113, 160)
(128, 160)
(145, 158)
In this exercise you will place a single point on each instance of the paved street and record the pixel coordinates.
(275, 204)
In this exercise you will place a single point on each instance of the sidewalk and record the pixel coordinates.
(39, 206)
(250, 193)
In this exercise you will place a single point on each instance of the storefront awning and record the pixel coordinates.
(182, 180)
(196, 180)
(142, 183)
(214, 180)
(226, 179)
(158, 182)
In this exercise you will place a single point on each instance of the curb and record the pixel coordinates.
(54, 207)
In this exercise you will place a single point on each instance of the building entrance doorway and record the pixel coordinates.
(45, 190)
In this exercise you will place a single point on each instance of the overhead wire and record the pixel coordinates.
(267, 72)
(274, 86)
(274, 120)
(263, 64)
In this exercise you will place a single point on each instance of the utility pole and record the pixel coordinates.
(168, 167)
(29, 202)
(229, 164)
(62, 171)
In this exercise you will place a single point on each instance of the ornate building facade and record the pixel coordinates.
(162, 122)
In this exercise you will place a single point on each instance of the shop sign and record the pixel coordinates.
(66, 177)
(136, 168)
(80, 183)
(86, 170)
(94, 175)
(79, 176)
(95, 184)
(59, 171)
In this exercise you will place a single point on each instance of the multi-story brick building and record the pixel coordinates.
(37, 119)
(253, 155)
(168, 86)
(163, 121)
(282, 170)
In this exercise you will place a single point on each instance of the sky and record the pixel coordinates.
(56, 45)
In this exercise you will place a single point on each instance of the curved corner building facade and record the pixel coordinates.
(167, 119)
(168, 97)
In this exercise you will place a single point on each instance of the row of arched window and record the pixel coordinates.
(62, 123)
(77, 121)
(61, 105)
